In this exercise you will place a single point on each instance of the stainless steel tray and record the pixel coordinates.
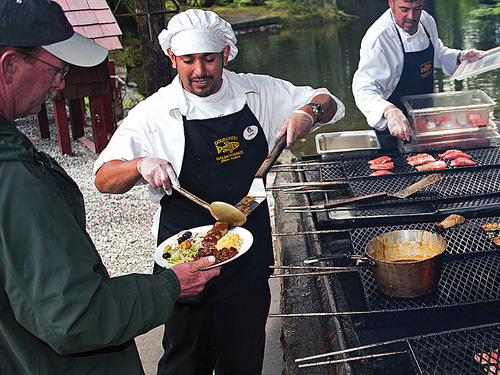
(356, 141)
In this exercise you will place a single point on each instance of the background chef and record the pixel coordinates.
(398, 55)
(213, 129)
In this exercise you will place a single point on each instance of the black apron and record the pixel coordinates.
(221, 157)
(416, 78)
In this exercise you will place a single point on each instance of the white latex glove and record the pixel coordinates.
(158, 172)
(296, 125)
(397, 123)
(471, 55)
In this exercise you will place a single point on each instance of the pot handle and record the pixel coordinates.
(361, 260)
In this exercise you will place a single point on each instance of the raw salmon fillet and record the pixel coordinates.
(420, 159)
(453, 154)
(380, 160)
(431, 166)
(461, 161)
(380, 172)
(388, 165)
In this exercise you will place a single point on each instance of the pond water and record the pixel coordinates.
(327, 55)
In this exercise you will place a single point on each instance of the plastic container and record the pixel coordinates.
(483, 137)
(469, 69)
(449, 112)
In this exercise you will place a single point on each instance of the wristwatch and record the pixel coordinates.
(317, 111)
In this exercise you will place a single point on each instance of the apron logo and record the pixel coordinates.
(225, 149)
(250, 132)
(425, 69)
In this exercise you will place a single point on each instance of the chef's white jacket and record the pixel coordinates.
(381, 62)
(154, 127)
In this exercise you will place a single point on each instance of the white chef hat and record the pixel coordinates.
(197, 31)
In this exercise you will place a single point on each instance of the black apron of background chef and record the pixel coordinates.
(221, 157)
(417, 78)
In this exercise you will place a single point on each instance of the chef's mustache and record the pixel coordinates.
(200, 77)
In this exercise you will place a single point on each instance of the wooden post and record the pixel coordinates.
(156, 68)
(100, 114)
(77, 117)
(62, 127)
(43, 122)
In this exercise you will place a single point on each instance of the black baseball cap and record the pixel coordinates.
(31, 23)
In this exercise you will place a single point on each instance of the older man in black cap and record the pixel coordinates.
(60, 312)
(209, 131)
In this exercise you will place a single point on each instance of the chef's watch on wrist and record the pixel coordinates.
(317, 111)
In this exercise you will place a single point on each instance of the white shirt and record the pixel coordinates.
(382, 58)
(154, 127)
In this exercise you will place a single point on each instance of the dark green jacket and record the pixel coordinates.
(60, 312)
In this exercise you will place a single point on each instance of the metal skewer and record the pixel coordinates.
(312, 273)
(334, 361)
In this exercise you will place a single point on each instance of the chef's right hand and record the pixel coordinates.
(471, 55)
(397, 123)
(192, 277)
(158, 172)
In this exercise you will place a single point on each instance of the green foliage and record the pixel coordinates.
(491, 10)
(130, 56)
(131, 101)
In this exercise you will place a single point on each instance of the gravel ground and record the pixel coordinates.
(120, 225)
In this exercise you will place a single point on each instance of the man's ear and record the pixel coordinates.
(8, 65)
(172, 58)
(225, 54)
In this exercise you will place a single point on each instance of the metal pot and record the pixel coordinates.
(406, 263)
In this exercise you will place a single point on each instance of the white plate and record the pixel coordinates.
(245, 235)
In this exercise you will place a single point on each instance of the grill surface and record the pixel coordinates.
(464, 281)
(468, 292)
(453, 185)
(359, 167)
(466, 238)
(471, 270)
(453, 352)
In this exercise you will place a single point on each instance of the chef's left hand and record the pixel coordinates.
(296, 126)
(471, 55)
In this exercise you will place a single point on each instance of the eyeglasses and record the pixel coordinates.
(62, 71)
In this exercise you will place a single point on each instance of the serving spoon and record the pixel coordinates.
(220, 211)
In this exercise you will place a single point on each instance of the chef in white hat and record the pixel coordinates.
(209, 131)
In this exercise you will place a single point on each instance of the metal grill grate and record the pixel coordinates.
(453, 185)
(481, 202)
(359, 167)
(454, 352)
(331, 171)
(462, 282)
(466, 238)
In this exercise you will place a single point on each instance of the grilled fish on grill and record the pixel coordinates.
(490, 358)
(380, 160)
(453, 154)
(458, 162)
(420, 159)
(380, 172)
(431, 166)
(451, 221)
(388, 165)
(490, 227)
(496, 241)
